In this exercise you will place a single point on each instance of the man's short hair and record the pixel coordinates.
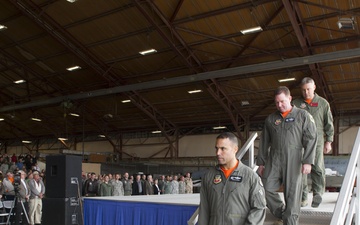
(282, 89)
(307, 80)
(230, 136)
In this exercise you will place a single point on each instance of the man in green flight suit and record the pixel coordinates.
(319, 108)
(286, 151)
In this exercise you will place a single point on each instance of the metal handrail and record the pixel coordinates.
(248, 146)
(347, 205)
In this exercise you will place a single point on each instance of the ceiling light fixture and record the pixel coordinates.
(2, 27)
(194, 91)
(243, 103)
(36, 119)
(287, 79)
(219, 127)
(2, 119)
(73, 68)
(156, 132)
(149, 51)
(126, 101)
(62, 139)
(346, 24)
(19, 81)
(26, 142)
(251, 30)
(71, 1)
(101, 135)
(74, 114)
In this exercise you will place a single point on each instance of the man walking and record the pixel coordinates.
(319, 108)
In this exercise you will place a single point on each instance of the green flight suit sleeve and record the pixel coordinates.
(328, 124)
(257, 212)
(309, 139)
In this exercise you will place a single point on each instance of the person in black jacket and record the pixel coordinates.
(138, 187)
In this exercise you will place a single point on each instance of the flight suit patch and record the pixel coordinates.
(302, 105)
(217, 179)
(289, 120)
(236, 178)
(314, 104)
(277, 122)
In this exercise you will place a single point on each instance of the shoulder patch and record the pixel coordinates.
(217, 179)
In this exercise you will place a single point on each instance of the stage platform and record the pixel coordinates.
(177, 209)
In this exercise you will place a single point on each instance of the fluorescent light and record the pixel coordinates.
(156, 132)
(71, 1)
(101, 135)
(73, 68)
(19, 81)
(2, 119)
(219, 127)
(194, 91)
(251, 30)
(245, 103)
(36, 119)
(287, 79)
(126, 101)
(62, 139)
(74, 114)
(149, 51)
(2, 27)
(26, 142)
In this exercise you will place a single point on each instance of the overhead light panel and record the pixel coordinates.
(2, 27)
(19, 81)
(126, 101)
(73, 68)
(101, 136)
(2, 119)
(156, 132)
(219, 127)
(243, 103)
(194, 91)
(74, 114)
(251, 30)
(36, 119)
(149, 51)
(346, 24)
(62, 139)
(287, 79)
(26, 142)
(71, 1)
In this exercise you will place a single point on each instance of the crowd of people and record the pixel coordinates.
(21, 176)
(139, 184)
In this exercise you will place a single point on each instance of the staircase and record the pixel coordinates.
(312, 216)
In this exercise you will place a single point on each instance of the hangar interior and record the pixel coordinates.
(116, 71)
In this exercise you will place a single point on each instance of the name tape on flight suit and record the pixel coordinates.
(236, 178)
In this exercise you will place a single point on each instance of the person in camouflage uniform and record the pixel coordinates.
(188, 184)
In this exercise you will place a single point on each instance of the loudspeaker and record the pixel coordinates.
(63, 176)
(61, 211)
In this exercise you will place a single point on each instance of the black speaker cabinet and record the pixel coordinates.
(61, 211)
(63, 176)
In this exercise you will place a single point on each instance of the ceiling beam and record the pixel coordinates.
(214, 88)
(230, 72)
(302, 35)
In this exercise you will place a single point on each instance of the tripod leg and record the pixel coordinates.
(25, 212)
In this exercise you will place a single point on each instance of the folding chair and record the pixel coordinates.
(9, 209)
(3, 214)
